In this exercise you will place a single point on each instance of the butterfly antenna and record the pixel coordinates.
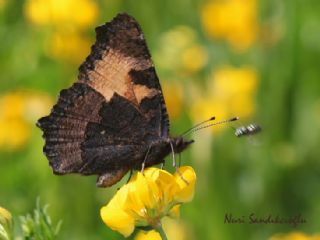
(197, 128)
(197, 125)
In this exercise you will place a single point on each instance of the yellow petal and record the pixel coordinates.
(175, 211)
(186, 192)
(175, 229)
(5, 214)
(161, 177)
(147, 190)
(5, 221)
(295, 236)
(56, 12)
(194, 58)
(150, 235)
(115, 217)
(165, 182)
(142, 195)
(173, 94)
(147, 198)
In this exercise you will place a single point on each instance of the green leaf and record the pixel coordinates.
(39, 225)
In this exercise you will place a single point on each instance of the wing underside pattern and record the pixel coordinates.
(105, 121)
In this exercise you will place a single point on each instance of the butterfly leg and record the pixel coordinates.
(145, 159)
(162, 164)
(175, 165)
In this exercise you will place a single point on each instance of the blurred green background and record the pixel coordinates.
(258, 60)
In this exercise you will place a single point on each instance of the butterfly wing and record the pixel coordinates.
(104, 123)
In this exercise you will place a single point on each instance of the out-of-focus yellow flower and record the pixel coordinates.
(173, 95)
(175, 230)
(205, 107)
(5, 215)
(14, 134)
(295, 236)
(14, 130)
(179, 56)
(147, 198)
(35, 106)
(2, 4)
(70, 46)
(180, 51)
(68, 19)
(78, 13)
(233, 20)
(19, 110)
(229, 81)
(194, 58)
(148, 235)
(230, 93)
(5, 224)
(11, 105)
(235, 88)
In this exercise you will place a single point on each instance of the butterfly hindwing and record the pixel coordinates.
(65, 128)
(103, 123)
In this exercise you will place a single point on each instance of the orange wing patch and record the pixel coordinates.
(111, 74)
(141, 92)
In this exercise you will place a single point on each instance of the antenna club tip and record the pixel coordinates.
(212, 118)
(234, 119)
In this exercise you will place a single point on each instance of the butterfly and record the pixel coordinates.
(113, 119)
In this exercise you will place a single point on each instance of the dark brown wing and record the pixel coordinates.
(104, 123)
(120, 62)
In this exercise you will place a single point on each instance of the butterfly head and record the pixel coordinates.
(179, 143)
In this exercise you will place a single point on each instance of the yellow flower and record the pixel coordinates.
(78, 13)
(232, 20)
(13, 133)
(235, 88)
(2, 4)
(295, 236)
(207, 106)
(174, 229)
(36, 105)
(147, 198)
(228, 81)
(5, 224)
(14, 130)
(5, 215)
(68, 19)
(148, 235)
(230, 93)
(173, 95)
(194, 58)
(68, 45)
(180, 51)
(19, 111)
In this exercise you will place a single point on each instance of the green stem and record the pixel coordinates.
(161, 232)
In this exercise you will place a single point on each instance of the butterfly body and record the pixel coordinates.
(114, 118)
